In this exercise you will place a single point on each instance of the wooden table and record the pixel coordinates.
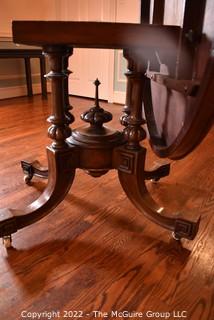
(95, 148)
(10, 50)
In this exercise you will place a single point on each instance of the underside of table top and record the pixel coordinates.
(95, 34)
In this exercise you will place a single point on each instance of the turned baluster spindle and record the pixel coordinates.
(126, 109)
(68, 107)
(133, 131)
(59, 129)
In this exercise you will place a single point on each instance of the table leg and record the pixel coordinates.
(61, 157)
(132, 179)
(130, 159)
(28, 77)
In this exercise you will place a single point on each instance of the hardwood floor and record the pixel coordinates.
(107, 256)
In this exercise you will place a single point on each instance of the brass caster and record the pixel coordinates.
(7, 241)
(155, 180)
(175, 236)
(27, 179)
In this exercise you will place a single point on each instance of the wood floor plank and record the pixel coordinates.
(104, 256)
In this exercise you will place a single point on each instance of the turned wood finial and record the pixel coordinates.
(96, 116)
(97, 83)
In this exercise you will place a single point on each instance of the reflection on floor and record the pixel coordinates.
(107, 256)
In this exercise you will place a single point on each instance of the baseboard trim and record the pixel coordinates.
(19, 91)
(19, 77)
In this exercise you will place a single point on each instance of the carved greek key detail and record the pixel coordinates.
(127, 162)
(186, 229)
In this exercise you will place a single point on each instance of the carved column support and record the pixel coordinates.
(61, 165)
(66, 91)
(126, 109)
(133, 120)
(59, 129)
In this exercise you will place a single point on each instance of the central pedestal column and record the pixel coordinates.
(96, 141)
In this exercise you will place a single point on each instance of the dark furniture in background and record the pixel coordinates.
(189, 82)
(10, 50)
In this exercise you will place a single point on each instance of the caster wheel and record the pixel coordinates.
(7, 242)
(175, 236)
(27, 179)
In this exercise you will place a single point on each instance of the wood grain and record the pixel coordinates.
(105, 256)
(95, 34)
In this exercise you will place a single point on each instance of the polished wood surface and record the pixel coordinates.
(95, 34)
(95, 252)
(178, 121)
(198, 101)
(158, 12)
(193, 25)
(95, 148)
(132, 174)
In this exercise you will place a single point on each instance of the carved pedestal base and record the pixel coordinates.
(62, 165)
(96, 149)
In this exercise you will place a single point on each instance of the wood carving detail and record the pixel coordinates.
(135, 188)
(96, 116)
(132, 120)
(61, 118)
(127, 162)
(67, 72)
(96, 148)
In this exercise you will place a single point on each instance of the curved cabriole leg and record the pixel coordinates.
(61, 167)
(32, 169)
(132, 179)
(59, 182)
(156, 174)
(130, 159)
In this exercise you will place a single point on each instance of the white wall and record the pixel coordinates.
(174, 11)
(24, 10)
(126, 11)
(12, 73)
